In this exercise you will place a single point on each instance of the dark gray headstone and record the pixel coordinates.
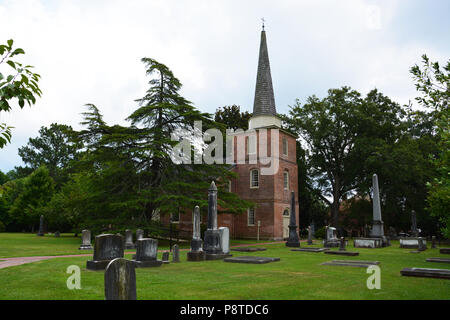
(251, 259)
(147, 253)
(350, 263)
(41, 226)
(120, 280)
(212, 243)
(175, 253)
(414, 230)
(196, 253)
(342, 253)
(342, 244)
(377, 224)
(433, 242)
(293, 240)
(444, 250)
(86, 240)
(310, 241)
(107, 247)
(422, 246)
(165, 257)
(139, 234)
(426, 273)
(57, 234)
(441, 260)
(311, 249)
(249, 249)
(129, 239)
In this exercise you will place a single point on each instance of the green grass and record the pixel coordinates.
(298, 275)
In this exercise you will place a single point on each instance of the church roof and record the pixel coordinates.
(264, 99)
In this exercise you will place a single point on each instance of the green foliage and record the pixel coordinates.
(320, 233)
(434, 85)
(21, 84)
(232, 117)
(37, 190)
(2, 227)
(55, 148)
(3, 178)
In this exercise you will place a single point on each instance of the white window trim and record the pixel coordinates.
(286, 173)
(251, 176)
(248, 217)
(283, 140)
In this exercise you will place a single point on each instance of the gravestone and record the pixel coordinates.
(377, 238)
(426, 273)
(342, 244)
(86, 240)
(57, 234)
(129, 239)
(213, 242)
(444, 250)
(331, 239)
(196, 253)
(120, 280)
(139, 234)
(421, 245)
(311, 249)
(414, 231)
(225, 239)
(251, 259)
(351, 263)
(165, 257)
(433, 242)
(249, 249)
(41, 226)
(147, 253)
(313, 229)
(441, 260)
(107, 247)
(175, 253)
(310, 241)
(412, 243)
(293, 240)
(342, 253)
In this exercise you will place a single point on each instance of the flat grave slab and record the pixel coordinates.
(426, 273)
(442, 260)
(343, 253)
(444, 250)
(217, 256)
(249, 249)
(251, 259)
(311, 249)
(351, 263)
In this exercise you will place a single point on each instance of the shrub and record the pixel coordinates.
(2, 227)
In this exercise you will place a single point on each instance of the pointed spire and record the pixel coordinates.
(264, 99)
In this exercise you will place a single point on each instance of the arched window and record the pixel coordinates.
(286, 180)
(254, 178)
(286, 212)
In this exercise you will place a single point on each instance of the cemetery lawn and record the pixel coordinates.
(29, 245)
(298, 275)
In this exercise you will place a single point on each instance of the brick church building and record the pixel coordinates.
(271, 192)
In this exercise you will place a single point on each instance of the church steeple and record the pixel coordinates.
(264, 103)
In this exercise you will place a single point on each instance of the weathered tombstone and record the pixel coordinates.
(310, 241)
(342, 244)
(293, 240)
(313, 229)
(175, 253)
(377, 238)
(165, 257)
(414, 231)
(212, 244)
(331, 239)
(433, 242)
(147, 253)
(120, 280)
(250, 259)
(86, 240)
(41, 226)
(196, 253)
(107, 247)
(139, 234)
(225, 239)
(57, 234)
(421, 245)
(129, 239)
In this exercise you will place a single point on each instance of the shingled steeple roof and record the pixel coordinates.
(264, 99)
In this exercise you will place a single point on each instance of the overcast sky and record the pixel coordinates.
(90, 51)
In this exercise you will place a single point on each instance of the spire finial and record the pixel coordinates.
(262, 19)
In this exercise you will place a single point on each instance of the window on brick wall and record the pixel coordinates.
(285, 146)
(254, 178)
(251, 144)
(286, 180)
(251, 216)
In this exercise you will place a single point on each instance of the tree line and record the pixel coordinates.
(106, 176)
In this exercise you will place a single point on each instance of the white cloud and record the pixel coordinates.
(90, 51)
